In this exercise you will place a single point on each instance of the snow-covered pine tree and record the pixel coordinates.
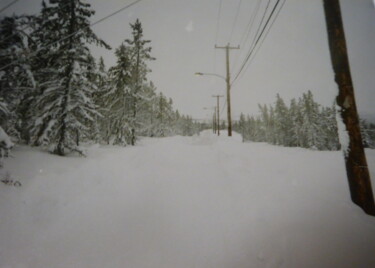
(302, 124)
(4, 113)
(146, 110)
(65, 104)
(242, 127)
(118, 98)
(283, 124)
(139, 55)
(296, 121)
(328, 129)
(310, 125)
(102, 84)
(367, 134)
(17, 81)
(161, 127)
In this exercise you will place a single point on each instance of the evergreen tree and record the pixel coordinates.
(368, 134)
(65, 104)
(118, 98)
(139, 54)
(242, 127)
(296, 119)
(17, 82)
(102, 84)
(302, 124)
(283, 126)
(310, 123)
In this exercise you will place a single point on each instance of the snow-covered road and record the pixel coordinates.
(203, 201)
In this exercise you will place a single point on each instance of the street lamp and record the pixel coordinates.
(228, 98)
(218, 75)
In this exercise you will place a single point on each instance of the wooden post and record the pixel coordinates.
(218, 112)
(227, 80)
(355, 158)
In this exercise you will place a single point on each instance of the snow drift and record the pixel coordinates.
(202, 201)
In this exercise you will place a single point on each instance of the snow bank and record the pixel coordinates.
(203, 201)
(5, 143)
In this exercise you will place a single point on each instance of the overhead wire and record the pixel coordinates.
(257, 39)
(224, 105)
(248, 30)
(259, 26)
(235, 20)
(261, 42)
(8, 6)
(217, 32)
(74, 33)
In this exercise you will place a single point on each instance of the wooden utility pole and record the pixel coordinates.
(214, 121)
(355, 158)
(218, 112)
(227, 48)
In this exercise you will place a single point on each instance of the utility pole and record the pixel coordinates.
(355, 158)
(213, 118)
(218, 112)
(214, 121)
(227, 48)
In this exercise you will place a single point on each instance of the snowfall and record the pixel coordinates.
(176, 202)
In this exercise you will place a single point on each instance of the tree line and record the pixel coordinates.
(54, 93)
(302, 123)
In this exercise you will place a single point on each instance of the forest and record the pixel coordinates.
(55, 94)
(304, 123)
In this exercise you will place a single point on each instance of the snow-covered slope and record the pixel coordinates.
(178, 202)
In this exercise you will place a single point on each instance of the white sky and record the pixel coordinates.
(293, 59)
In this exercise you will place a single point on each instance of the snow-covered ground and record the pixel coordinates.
(183, 202)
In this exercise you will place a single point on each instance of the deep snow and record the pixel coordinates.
(182, 202)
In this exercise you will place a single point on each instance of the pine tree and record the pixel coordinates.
(296, 121)
(310, 123)
(118, 98)
(242, 127)
(146, 108)
(302, 124)
(65, 105)
(367, 134)
(17, 82)
(328, 129)
(139, 55)
(102, 84)
(283, 124)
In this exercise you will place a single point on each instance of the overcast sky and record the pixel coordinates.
(294, 57)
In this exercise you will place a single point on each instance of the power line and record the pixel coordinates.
(8, 6)
(247, 31)
(218, 21)
(261, 42)
(72, 34)
(224, 105)
(217, 32)
(257, 37)
(235, 20)
(260, 25)
(257, 40)
(115, 13)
